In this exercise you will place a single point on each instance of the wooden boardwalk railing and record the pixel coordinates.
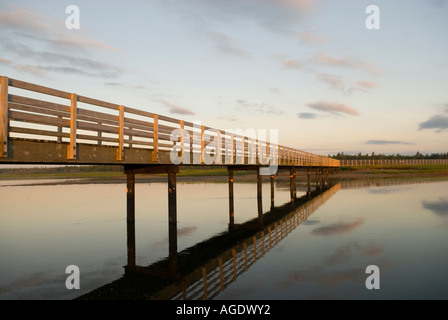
(391, 162)
(45, 125)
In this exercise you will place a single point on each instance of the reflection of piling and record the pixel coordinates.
(272, 192)
(292, 183)
(259, 197)
(308, 172)
(231, 201)
(130, 219)
(171, 170)
(172, 221)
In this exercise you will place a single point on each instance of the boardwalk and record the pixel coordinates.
(45, 125)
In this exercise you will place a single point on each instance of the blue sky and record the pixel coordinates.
(309, 68)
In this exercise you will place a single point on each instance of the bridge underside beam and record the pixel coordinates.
(24, 151)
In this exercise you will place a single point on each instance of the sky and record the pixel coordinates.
(309, 68)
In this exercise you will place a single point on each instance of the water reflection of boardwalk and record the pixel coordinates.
(207, 281)
(210, 266)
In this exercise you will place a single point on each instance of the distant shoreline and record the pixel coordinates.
(220, 176)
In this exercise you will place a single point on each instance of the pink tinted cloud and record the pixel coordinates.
(333, 107)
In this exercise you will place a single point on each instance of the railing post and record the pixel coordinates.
(202, 144)
(182, 146)
(120, 151)
(252, 151)
(71, 154)
(155, 152)
(231, 159)
(243, 150)
(4, 117)
(218, 159)
(268, 161)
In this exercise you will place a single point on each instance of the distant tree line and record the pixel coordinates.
(61, 169)
(373, 155)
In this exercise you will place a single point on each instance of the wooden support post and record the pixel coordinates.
(120, 151)
(231, 201)
(272, 192)
(259, 197)
(4, 117)
(130, 219)
(71, 153)
(202, 144)
(155, 152)
(172, 221)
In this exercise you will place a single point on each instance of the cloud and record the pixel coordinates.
(348, 62)
(438, 3)
(47, 29)
(335, 82)
(43, 45)
(311, 38)
(287, 63)
(439, 122)
(172, 108)
(364, 86)
(333, 107)
(385, 142)
(255, 107)
(226, 45)
(27, 68)
(340, 256)
(345, 253)
(18, 18)
(6, 61)
(53, 61)
(337, 228)
(280, 16)
(440, 207)
(306, 115)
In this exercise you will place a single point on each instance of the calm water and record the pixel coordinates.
(400, 226)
